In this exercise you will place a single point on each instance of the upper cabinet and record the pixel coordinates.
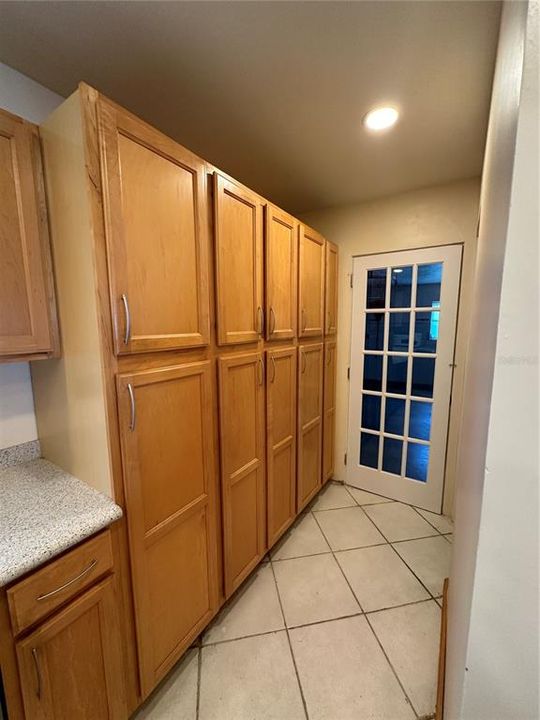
(331, 289)
(310, 283)
(238, 259)
(281, 274)
(28, 326)
(154, 196)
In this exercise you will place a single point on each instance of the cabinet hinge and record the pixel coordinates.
(345, 459)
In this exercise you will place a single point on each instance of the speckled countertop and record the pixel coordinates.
(44, 511)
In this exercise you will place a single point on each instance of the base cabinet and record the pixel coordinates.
(280, 441)
(166, 427)
(242, 432)
(71, 666)
(310, 422)
(329, 406)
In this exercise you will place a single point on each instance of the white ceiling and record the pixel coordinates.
(274, 92)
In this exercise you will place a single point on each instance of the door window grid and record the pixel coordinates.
(413, 310)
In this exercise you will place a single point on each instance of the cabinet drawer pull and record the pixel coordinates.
(272, 320)
(260, 320)
(133, 415)
(260, 371)
(303, 319)
(127, 331)
(35, 658)
(303, 363)
(69, 583)
(273, 368)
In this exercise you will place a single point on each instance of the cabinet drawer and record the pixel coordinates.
(51, 586)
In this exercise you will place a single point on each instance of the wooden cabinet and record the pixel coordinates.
(311, 255)
(310, 421)
(154, 195)
(329, 408)
(28, 324)
(280, 440)
(331, 288)
(70, 667)
(242, 433)
(166, 428)
(281, 274)
(238, 262)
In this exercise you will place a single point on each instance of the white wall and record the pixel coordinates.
(493, 634)
(32, 101)
(439, 215)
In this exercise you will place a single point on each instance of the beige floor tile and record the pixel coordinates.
(410, 638)
(399, 522)
(253, 609)
(379, 578)
(348, 528)
(443, 523)
(429, 559)
(344, 673)
(366, 498)
(304, 538)
(313, 589)
(250, 679)
(176, 697)
(331, 497)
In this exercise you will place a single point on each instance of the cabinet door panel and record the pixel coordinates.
(310, 417)
(25, 272)
(71, 666)
(170, 483)
(329, 410)
(281, 249)
(238, 242)
(157, 245)
(310, 283)
(241, 394)
(331, 289)
(280, 440)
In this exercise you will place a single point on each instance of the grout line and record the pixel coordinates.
(395, 607)
(290, 645)
(424, 537)
(430, 523)
(199, 667)
(383, 499)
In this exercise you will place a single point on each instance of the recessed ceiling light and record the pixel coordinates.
(381, 118)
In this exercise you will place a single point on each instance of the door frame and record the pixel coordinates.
(427, 495)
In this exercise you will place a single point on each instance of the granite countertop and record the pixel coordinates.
(44, 511)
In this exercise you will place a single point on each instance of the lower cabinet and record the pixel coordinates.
(242, 434)
(280, 441)
(310, 422)
(166, 430)
(329, 407)
(70, 667)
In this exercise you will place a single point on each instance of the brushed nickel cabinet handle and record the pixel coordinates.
(260, 371)
(69, 583)
(303, 319)
(133, 415)
(260, 320)
(273, 368)
(127, 331)
(303, 363)
(35, 657)
(272, 320)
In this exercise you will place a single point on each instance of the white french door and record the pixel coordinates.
(402, 357)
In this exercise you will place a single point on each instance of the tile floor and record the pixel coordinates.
(340, 623)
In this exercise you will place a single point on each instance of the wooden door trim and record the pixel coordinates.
(224, 185)
(113, 121)
(272, 213)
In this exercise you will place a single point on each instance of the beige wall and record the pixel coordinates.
(441, 215)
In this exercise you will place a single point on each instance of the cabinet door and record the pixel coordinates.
(310, 283)
(241, 394)
(27, 313)
(329, 406)
(70, 667)
(280, 440)
(331, 289)
(155, 211)
(238, 257)
(166, 427)
(281, 272)
(310, 420)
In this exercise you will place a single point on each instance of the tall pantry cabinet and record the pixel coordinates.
(196, 318)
